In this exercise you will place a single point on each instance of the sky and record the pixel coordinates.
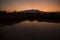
(20, 5)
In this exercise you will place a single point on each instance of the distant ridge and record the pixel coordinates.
(32, 11)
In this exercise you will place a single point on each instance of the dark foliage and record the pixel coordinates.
(29, 14)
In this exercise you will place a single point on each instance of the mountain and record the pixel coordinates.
(32, 11)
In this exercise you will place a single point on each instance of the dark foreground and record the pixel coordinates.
(29, 25)
(29, 30)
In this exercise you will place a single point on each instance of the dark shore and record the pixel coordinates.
(29, 15)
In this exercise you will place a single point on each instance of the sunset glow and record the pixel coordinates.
(19, 5)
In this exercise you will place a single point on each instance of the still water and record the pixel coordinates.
(29, 30)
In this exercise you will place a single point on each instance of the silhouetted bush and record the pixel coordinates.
(2, 12)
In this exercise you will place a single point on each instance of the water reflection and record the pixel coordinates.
(4, 23)
(30, 30)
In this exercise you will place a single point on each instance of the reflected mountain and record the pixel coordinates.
(11, 22)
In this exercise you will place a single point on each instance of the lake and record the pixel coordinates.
(29, 30)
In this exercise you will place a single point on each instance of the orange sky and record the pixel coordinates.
(19, 5)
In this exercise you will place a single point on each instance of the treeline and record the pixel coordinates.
(29, 14)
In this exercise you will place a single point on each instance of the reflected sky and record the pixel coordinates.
(28, 29)
(33, 24)
(37, 24)
(19, 5)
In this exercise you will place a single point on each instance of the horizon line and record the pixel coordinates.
(28, 9)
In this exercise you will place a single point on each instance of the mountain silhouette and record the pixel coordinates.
(32, 11)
